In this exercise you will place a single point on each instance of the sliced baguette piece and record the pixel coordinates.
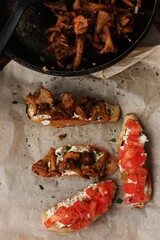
(68, 110)
(76, 160)
(87, 206)
(125, 173)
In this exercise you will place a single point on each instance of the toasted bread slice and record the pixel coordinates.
(82, 160)
(80, 210)
(67, 110)
(128, 171)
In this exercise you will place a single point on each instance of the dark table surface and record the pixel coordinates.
(156, 21)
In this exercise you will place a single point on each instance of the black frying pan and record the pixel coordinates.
(28, 44)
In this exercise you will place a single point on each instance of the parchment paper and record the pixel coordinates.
(24, 195)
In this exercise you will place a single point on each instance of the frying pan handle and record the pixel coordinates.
(4, 60)
(9, 27)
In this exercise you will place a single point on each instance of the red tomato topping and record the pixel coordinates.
(130, 152)
(82, 213)
(136, 199)
(91, 192)
(111, 188)
(79, 224)
(81, 208)
(61, 211)
(129, 188)
(134, 126)
(132, 158)
(103, 204)
(92, 205)
(50, 221)
(102, 188)
(132, 143)
(132, 138)
(134, 163)
(142, 176)
(132, 177)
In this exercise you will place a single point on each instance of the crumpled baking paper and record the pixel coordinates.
(24, 195)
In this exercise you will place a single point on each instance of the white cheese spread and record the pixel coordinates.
(130, 181)
(143, 139)
(69, 173)
(75, 115)
(50, 212)
(126, 134)
(46, 122)
(41, 117)
(61, 151)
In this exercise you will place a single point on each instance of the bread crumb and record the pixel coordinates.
(62, 136)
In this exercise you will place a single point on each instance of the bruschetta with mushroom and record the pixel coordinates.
(76, 160)
(68, 110)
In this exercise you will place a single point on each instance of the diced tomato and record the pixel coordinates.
(81, 208)
(50, 221)
(102, 188)
(91, 192)
(71, 212)
(92, 209)
(101, 209)
(134, 163)
(141, 175)
(132, 177)
(97, 196)
(132, 138)
(61, 212)
(67, 220)
(136, 199)
(110, 186)
(79, 224)
(129, 188)
(76, 225)
(80, 204)
(130, 153)
(134, 126)
(130, 149)
(142, 172)
(103, 204)
(135, 143)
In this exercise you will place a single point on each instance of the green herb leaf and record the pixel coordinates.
(68, 148)
(119, 200)
(113, 140)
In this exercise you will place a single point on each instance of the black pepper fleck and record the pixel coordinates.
(41, 187)
(14, 102)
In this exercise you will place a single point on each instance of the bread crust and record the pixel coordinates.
(123, 174)
(66, 229)
(115, 109)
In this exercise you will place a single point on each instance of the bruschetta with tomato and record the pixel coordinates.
(68, 110)
(80, 210)
(82, 160)
(132, 162)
